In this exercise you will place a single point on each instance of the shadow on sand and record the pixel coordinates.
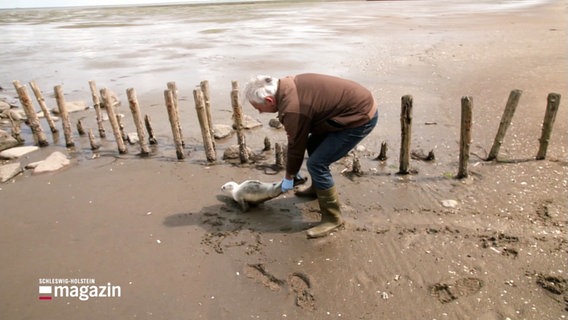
(279, 215)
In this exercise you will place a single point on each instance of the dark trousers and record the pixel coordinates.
(325, 149)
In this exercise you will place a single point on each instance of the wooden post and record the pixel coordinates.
(278, 155)
(238, 118)
(64, 116)
(204, 125)
(173, 88)
(174, 122)
(151, 135)
(43, 106)
(94, 145)
(33, 120)
(465, 136)
(121, 127)
(383, 153)
(135, 109)
(506, 118)
(406, 133)
(80, 129)
(97, 105)
(553, 102)
(356, 168)
(207, 98)
(105, 95)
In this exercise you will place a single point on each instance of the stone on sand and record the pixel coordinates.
(15, 114)
(449, 203)
(275, 123)
(14, 153)
(72, 106)
(132, 137)
(8, 171)
(7, 141)
(249, 122)
(221, 131)
(4, 106)
(54, 162)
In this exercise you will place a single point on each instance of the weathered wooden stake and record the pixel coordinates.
(356, 168)
(135, 109)
(204, 125)
(94, 144)
(238, 119)
(267, 144)
(173, 88)
(97, 105)
(121, 127)
(553, 102)
(278, 155)
(174, 121)
(80, 129)
(151, 136)
(33, 120)
(383, 153)
(43, 106)
(64, 116)
(506, 118)
(465, 136)
(406, 133)
(105, 95)
(207, 98)
(208, 142)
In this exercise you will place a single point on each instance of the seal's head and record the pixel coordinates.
(229, 187)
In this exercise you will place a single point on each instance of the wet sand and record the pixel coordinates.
(161, 230)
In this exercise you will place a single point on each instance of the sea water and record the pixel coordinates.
(145, 46)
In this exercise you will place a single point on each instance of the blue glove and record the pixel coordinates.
(287, 185)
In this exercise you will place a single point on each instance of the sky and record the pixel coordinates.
(11, 4)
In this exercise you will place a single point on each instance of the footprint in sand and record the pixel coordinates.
(300, 284)
(259, 273)
(447, 292)
(500, 243)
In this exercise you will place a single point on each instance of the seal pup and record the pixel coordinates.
(252, 192)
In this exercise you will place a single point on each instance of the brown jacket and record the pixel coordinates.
(315, 103)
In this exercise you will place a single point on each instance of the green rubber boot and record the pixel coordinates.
(330, 213)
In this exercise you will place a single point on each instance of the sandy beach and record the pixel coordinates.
(161, 233)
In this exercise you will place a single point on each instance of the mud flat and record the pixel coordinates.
(161, 230)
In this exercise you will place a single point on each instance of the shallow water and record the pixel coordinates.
(147, 46)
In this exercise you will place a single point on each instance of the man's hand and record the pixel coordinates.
(287, 184)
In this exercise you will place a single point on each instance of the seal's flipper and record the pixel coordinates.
(244, 206)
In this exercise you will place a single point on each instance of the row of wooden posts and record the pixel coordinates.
(553, 102)
(202, 100)
(202, 104)
(203, 108)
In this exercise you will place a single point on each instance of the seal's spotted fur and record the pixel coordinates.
(252, 192)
